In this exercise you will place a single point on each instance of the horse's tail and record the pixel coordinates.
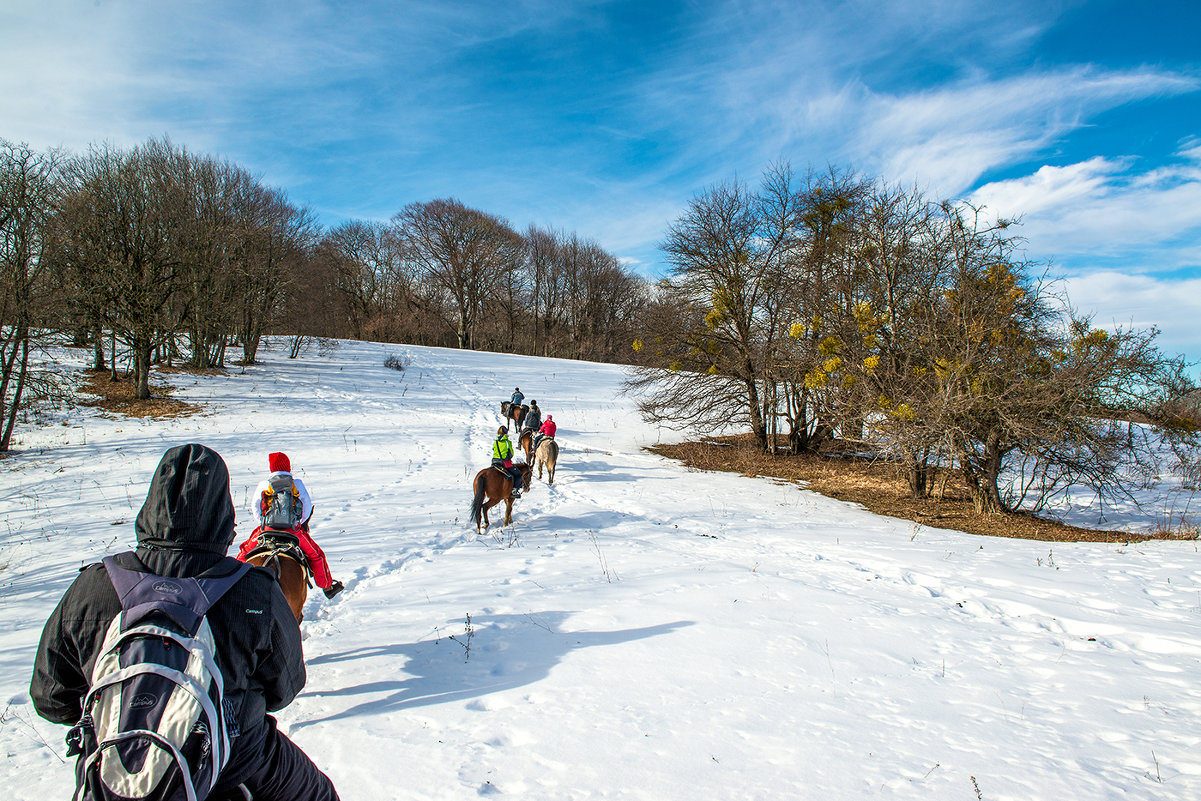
(477, 503)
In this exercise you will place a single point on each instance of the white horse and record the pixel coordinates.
(547, 454)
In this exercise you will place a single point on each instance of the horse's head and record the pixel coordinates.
(527, 473)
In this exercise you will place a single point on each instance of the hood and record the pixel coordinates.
(188, 505)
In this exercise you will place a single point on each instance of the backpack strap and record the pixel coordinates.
(184, 600)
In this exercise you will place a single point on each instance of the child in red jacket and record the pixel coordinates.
(282, 503)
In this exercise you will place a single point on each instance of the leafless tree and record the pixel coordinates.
(465, 252)
(127, 225)
(372, 276)
(30, 189)
(276, 242)
(731, 252)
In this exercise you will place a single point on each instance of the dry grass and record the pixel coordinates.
(877, 486)
(117, 397)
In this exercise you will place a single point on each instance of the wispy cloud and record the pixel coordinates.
(948, 138)
(1107, 208)
(605, 117)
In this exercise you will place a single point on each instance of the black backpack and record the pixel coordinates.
(154, 722)
(280, 505)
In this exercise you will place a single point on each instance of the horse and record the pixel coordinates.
(513, 412)
(548, 454)
(280, 553)
(497, 485)
(526, 443)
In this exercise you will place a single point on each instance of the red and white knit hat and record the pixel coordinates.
(278, 463)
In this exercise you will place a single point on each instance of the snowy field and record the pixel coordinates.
(641, 631)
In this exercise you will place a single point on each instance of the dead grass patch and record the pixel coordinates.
(877, 486)
(117, 397)
(176, 369)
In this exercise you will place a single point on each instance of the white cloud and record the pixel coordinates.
(1142, 301)
(1106, 208)
(946, 138)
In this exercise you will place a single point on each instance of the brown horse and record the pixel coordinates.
(548, 454)
(497, 486)
(526, 443)
(513, 412)
(282, 556)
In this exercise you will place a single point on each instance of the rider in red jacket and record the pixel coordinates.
(548, 428)
(280, 465)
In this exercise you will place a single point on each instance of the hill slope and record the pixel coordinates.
(641, 631)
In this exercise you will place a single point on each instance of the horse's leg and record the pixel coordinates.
(488, 506)
(508, 510)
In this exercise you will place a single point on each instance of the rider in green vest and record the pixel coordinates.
(502, 456)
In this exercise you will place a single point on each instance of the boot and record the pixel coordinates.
(333, 589)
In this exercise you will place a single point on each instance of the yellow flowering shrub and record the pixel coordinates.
(815, 379)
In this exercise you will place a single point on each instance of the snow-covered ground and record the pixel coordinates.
(642, 631)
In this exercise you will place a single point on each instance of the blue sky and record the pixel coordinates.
(1083, 118)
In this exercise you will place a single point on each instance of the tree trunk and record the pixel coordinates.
(98, 362)
(758, 427)
(142, 353)
(250, 348)
(11, 421)
(920, 476)
(200, 352)
(982, 474)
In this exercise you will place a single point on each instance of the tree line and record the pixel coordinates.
(154, 253)
(828, 305)
(809, 308)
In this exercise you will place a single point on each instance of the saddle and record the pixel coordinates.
(274, 543)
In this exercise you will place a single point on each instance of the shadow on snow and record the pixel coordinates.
(496, 653)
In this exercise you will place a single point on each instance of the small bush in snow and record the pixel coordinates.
(394, 362)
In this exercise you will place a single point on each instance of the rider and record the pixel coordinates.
(502, 457)
(183, 530)
(532, 421)
(517, 396)
(281, 467)
(548, 430)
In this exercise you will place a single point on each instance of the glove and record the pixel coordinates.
(333, 589)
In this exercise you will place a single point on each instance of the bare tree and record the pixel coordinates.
(371, 275)
(465, 252)
(277, 239)
(29, 194)
(126, 227)
(731, 251)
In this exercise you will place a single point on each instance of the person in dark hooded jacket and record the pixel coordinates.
(184, 529)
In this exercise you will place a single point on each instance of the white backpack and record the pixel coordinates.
(156, 727)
